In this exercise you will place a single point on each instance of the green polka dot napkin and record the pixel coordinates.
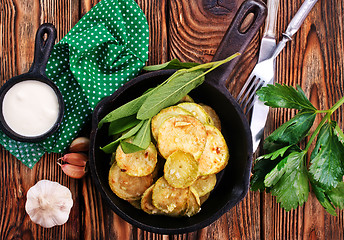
(105, 49)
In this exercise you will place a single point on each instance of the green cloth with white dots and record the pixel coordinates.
(105, 49)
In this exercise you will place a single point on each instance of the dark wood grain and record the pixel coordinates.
(197, 27)
(156, 11)
(191, 31)
(19, 22)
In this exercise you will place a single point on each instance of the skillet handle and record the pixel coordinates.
(237, 38)
(43, 48)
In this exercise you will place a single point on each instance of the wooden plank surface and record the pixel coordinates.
(191, 31)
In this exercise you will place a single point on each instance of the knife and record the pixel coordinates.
(267, 46)
(260, 111)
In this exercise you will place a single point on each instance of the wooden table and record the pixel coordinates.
(191, 31)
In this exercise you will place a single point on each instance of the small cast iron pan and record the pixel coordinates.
(42, 52)
(233, 182)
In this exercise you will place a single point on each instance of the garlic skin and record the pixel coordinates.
(74, 165)
(48, 203)
(80, 144)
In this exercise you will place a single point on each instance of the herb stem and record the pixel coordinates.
(322, 111)
(315, 133)
(337, 105)
(212, 65)
(327, 117)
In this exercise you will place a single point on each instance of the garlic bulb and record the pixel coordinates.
(48, 203)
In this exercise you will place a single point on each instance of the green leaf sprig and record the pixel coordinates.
(132, 120)
(283, 170)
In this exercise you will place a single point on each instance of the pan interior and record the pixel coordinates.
(232, 182)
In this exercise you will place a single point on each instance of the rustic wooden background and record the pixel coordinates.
(191, 31)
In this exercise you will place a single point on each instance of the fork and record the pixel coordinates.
(263, 72)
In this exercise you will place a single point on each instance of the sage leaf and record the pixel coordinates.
(122, 124)
(176, 64)
(129, 147)
(176, 87)
(173, 64)
(170, 93)
(151, 102)
(111, 147)
(143, 137)
(125, 110)
(212, 65)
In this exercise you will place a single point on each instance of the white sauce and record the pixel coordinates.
(30, 108)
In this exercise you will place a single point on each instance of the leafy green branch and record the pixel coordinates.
(284, 171)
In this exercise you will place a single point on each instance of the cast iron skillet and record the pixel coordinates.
(43, 49)
(233, 182)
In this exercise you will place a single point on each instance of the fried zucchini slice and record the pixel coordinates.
(171, 201)
(181, 169)
(186, 98)
(215, 155)
(128, 187)
(211, 112)
(197, 111)
(184, 133)
(204, 184)
(146, 202)
(163, 115)
(139, 163)
(204, 198)
(194, 203)
(135, 203)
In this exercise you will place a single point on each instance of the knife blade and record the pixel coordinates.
(267, 46)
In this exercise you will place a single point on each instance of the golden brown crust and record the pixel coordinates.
(184, 133)
(128, 187)
(137, 164)
(170, 200)
(215, 155)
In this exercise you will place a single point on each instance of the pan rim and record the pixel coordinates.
(165, 230)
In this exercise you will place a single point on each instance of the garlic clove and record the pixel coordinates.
(78, 159)
(73, 171)
(80, 144)
(48, 203)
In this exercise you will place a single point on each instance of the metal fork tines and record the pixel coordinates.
(247, 94)
(262, 74)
